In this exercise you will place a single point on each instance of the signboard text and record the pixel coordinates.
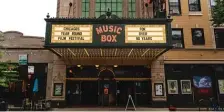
(108, 33)
(71, 34)
(145, 34)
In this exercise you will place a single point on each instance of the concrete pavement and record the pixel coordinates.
(123, 109)
(109, 109)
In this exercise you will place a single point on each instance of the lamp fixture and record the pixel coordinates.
(70, 71)
(115, 65)
(78, 65)
(97, 66)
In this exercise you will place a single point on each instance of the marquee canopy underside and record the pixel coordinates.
(109, 53)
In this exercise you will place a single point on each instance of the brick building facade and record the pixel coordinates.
(193, 40)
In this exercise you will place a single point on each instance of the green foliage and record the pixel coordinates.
(8, 73)
(0, 54)
(218, 13)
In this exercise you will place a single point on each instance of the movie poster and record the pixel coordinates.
(186, 87)
(58, 89)
(202, 81)
(221, 86)
(172, 86)
(159, 89)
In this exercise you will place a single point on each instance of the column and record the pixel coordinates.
(92, 8)
(125, 8)
(158, 77)
(58, 83)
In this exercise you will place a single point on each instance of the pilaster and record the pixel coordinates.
(158, 76)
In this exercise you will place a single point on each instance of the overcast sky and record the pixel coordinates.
(26, 16)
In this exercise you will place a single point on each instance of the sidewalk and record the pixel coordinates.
(108, 109)
(115, 109)
(123, 109)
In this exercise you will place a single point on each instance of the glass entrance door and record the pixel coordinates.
(143, 93)
(73, 93)
(125, 88)
(107, 92)
(89, 93)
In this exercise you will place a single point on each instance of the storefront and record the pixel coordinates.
(109, 58)
(192, 82)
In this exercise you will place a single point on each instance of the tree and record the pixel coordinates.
(8, 73)
(218, 13)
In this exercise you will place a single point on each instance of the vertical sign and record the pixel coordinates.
(23, 59)
(30, 69)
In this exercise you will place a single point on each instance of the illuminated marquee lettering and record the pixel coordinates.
(108, 38)
(61, 38)
(71, 34)
(145, 34)
(76, 33)
(107, 28)
(108, 33)
(71, 28)
(76, 38)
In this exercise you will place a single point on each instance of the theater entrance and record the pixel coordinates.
(82, 93)
(139, 90)
(108, 87)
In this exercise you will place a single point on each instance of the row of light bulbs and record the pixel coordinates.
(97, 66)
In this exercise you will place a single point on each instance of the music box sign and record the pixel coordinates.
(145, 34)
(108, 33)
(71, 34)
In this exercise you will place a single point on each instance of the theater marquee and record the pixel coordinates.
(108, 34)
(71, 34)
(145, 34)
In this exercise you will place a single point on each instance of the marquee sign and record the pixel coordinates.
(145, 34)
(71, 34)
(108, 34)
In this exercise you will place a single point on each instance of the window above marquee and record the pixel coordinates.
(194, 5)
(85, 8)
(174, 7)
(102, 6)
(131, 8)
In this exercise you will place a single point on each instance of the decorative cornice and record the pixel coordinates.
(117, 20)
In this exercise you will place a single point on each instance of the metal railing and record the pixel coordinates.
(39, 105)
(210, 104)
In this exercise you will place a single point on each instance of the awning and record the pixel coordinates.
(127, 41)
(108, 53)
(117, 79)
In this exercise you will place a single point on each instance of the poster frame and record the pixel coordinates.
(219, 81)
(158, 84)
(54, 88)
(168, 87)
(182, 92)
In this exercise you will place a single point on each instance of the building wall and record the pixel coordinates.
(190, 20)
(14, 43)
(63, 8)
(187, 20)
